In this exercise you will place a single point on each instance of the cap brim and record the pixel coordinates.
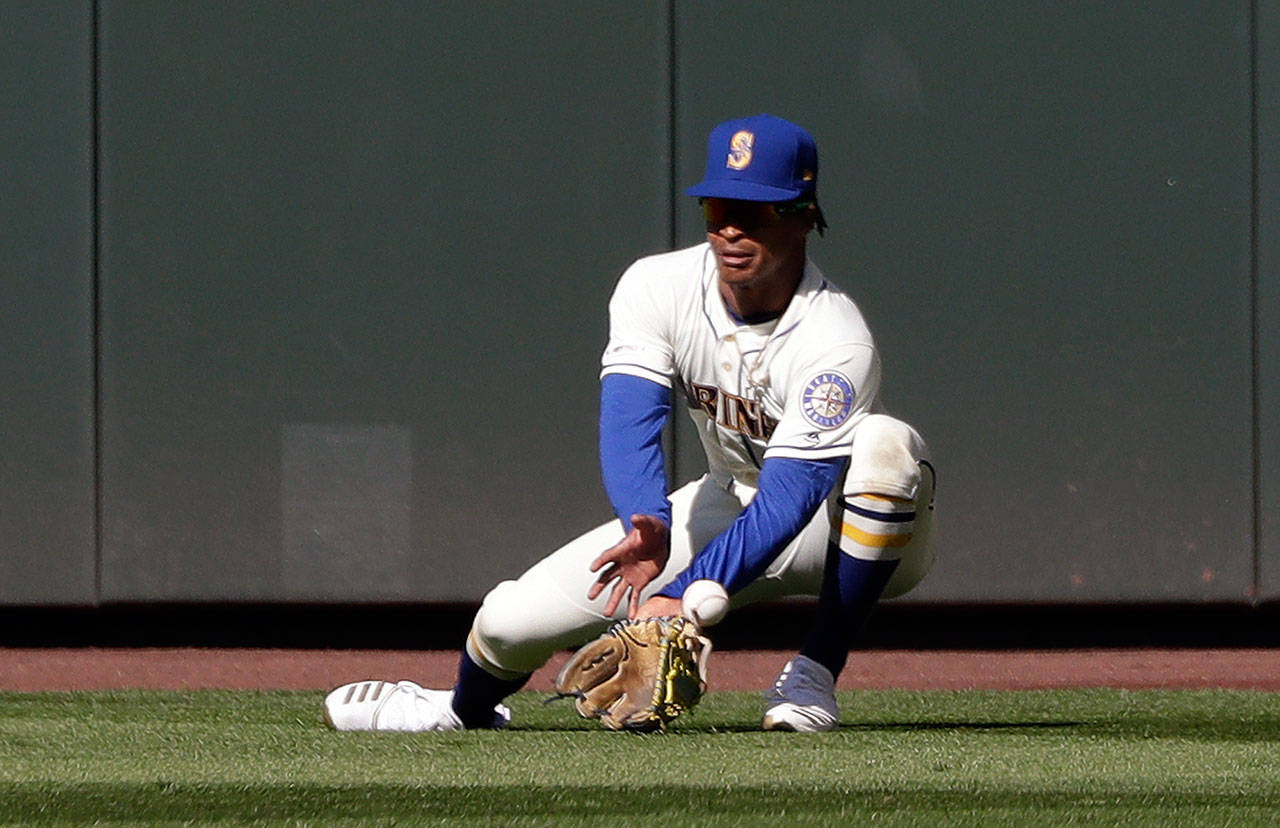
(742, 191)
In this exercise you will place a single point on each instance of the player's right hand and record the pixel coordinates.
(633, 562)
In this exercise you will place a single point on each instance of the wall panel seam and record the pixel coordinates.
(95, 276)
(673, 456)
(1255, 252)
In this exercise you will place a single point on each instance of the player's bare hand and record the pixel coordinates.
(632, 563)
(660, 606)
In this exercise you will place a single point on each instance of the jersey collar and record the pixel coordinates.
(812, 282)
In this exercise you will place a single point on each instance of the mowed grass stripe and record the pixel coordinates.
(955, 757)
(600, 805)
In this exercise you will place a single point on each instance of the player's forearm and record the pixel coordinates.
(790, 491)
(633, 412)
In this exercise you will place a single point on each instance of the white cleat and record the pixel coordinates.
(803, 699)
(402, 707)
(799, 718)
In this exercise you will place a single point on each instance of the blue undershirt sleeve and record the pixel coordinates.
(789, 493)
(633, 412)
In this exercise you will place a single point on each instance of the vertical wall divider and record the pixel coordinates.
(673, 181)
(95, 276)
(1264, 27)
(1255, 351)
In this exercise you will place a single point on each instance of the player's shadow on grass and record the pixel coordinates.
(872, 727)
(960, 725)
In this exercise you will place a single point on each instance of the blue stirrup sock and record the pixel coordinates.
(478, 692)
(850, 588)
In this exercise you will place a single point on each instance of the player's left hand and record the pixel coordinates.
(659, 606)
(633, 562)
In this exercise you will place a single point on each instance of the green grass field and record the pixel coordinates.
(970, 758)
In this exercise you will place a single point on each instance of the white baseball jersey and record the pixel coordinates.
(791, 387)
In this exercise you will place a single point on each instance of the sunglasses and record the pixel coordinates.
(749, 215)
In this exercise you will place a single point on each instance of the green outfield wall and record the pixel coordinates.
(304, 301)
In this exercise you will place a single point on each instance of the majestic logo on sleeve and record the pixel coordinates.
(740, 146)
(828, 399)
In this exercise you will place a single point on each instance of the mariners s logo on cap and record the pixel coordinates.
(740, 150)
(828, 399)
(760, 158)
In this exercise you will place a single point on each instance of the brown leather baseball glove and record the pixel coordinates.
(639, 675)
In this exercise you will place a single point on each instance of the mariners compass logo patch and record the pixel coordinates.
(828, 399)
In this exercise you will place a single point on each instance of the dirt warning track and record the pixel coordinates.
(178, 668)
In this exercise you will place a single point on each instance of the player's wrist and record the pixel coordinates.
(651, 523)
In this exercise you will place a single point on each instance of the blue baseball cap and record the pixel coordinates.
(761, 158)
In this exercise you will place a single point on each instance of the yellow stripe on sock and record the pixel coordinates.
(874, 541)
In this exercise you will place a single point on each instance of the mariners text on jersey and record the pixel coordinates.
(731, 411)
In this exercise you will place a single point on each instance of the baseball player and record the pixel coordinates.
(811, 489)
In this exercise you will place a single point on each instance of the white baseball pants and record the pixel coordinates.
(523, 622)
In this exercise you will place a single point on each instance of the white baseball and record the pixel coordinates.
(705, 602)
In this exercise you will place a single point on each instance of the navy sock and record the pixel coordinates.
(478, 691)
(850, 588)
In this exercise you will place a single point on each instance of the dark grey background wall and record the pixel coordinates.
(354, 263)
(304, 302)
(47, 487)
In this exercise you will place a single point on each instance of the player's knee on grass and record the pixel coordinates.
(499, 638)
(522, 623)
